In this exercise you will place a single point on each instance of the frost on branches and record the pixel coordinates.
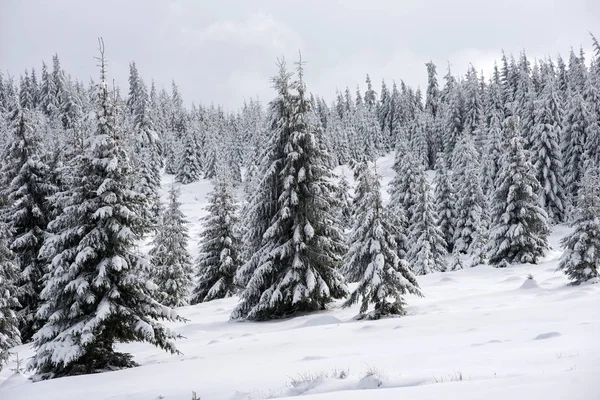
(296, 269)
(372, 259)
(94, 295)
(171, 262)
(581, 259)
(220, 247)
(519, 225)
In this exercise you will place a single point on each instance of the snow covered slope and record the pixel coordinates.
(481, 333)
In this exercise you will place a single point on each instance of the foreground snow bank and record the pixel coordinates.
(478, 333)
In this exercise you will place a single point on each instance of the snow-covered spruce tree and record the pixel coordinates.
(189, 169)
(220, 246)
(172, 264)
(419, 138)
(94, 293)
(372, 259)
(445, 201)
(591, 94)
(577, 119)
(9, 323)
(346, 202)
(145, 155)
(301, 251)
(432, 94)
(427, 248)
(581, 259)
(367, 131)
(470, 201)
(404, 187)
(453, 121)
(492, 153)
(27, 214)
(261, 205)
(545, 152)
(457, 262)
(519, 229)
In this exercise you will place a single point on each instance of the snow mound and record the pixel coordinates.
(494, 341)
(370, 382)
(319, 321)
(312, 358)
(529, 283)
(15, 380)
(447, 279)
(547, 335)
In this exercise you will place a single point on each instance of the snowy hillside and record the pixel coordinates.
(478, 333)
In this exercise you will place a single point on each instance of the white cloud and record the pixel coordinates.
(258, 29)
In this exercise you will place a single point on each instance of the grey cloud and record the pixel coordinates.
(224, 51)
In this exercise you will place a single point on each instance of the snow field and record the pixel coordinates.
(478, 333)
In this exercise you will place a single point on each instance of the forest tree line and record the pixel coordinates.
(514, 154)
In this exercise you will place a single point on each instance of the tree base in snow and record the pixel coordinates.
(92, 363)
(502, 264)
(389, 310)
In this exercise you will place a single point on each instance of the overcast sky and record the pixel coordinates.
(224, 51)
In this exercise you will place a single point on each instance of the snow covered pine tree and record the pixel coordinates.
(372, 259)
(220, 246)
(581, 259)
(9, 324)
(301, 251)
(172, 264)
(427, 250)
(27, 213)
(94, 295)
(519, 225)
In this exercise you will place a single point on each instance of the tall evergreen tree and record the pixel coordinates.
(432, 94)
(591, 95)
(577, 119)
(370, 96)
(220, 246)
(171, 261)
(445, 201)
(581, 259)
(473, 103)
(470, 201)
(427, 248)
(301, 250)
(492, 154)
(189, 169)
(373, 260)
(145, 147)
(94, 294)
(519, 227)
(261, 206)
(404, 187)
(545, 152)
(9, 276)
(27, 213)
(345, 202)
(454, 122)
(384, 111)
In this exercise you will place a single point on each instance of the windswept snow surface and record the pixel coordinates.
(478, 333)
